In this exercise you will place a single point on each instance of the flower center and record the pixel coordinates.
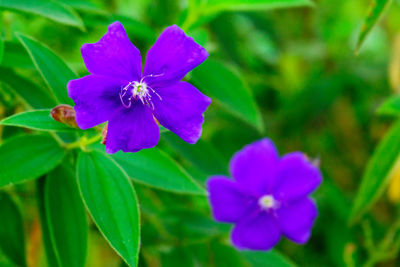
(137, 91)
(267, 202)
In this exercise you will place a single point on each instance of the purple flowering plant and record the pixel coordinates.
(132, 100)
(91, 120)
(268, 198)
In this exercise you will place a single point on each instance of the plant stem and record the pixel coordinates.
(388, 247)
(58, 139)
(83, 142)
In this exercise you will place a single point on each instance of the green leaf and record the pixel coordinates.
(391, 107)
(85, 5)
(53, 69)
(27, 157)
(1, 49)
(225, 86)
(378, 172)
(267, 259)
(140, 30)
(66, 217)
(253, 5)
(375, 13)
(48, 245)
(32, 95)
(12, 241)
(36, 120)
(111, 201)
(202, 154)
(191, 225)
(155, 168)
(15, 56)
(179, 256)
(225, 255)
(50, 9)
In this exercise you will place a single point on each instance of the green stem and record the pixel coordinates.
(83, 142)
(386, 247)
(58, 139)
(369, 242)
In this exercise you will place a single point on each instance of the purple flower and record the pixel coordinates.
(118, 92)
(267, 198)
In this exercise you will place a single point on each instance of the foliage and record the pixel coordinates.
(285, 69)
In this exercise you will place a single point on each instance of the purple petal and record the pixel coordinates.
(255, 166)
(228, 203)
(113, 55)
(172, 56)
(96, 99)
(298, 177)
(132, 130)
(297, 219)
(257, 233)
(180, 110)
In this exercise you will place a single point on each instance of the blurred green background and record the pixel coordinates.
(312, 94)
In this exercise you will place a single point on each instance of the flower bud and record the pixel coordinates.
(64, 114)
(104, 134)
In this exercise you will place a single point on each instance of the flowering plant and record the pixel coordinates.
(268, 198)
(117, 91)
(146, 133)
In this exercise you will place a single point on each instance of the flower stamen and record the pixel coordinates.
(138, 90)
(268, 202)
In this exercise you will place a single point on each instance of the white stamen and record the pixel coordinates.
(267, 202)
(139, 90)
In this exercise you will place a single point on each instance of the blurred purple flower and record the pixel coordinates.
(267, 198)
(118, 92)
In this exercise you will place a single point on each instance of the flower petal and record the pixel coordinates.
(297, 219)
(298, 177)
(96, 99)
(180, 110)
(132, 130)
(228, 203)
(172, 56)
(113, 55)
(257, 233)
(255, 166)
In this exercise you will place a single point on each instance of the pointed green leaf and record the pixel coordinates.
(1, 49)
(32, 95)
(225, 255)
(85, 5)
(254, 5)
(48, 245)
(391, 107)
(267, 259)
(54, 10)
(53, 69)
(378, 172)
(36, 120)
(27, 157)
(375, 13)
(15, 56)
(155, 168)
(223, 85)
(140, 30)
(12, 241)
(66, 217)
(111, 200)
(202, 154)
